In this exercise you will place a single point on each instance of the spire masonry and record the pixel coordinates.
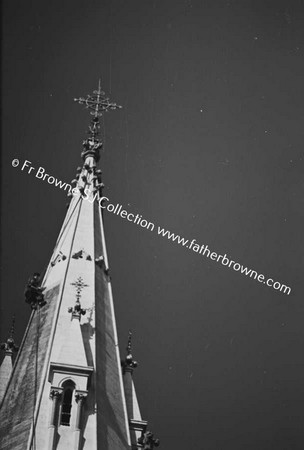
(68, 388)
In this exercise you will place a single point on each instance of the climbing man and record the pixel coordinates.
(34, 292)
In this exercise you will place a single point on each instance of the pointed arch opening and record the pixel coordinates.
(67, 399)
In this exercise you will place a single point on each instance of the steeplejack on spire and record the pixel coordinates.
(34, 292)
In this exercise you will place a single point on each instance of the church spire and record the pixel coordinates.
(67, 388)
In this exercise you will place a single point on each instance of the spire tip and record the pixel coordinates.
(129, 364)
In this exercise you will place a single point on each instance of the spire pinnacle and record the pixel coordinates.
(9, 346)
(129, 343)
(129, 363)
(12, 330)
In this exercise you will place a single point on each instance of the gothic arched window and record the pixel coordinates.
(68, 388)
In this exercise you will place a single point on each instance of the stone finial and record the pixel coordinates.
(147, 441)
(129, 364)
(9, 346)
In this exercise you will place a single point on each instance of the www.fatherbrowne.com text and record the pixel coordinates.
(193, 245)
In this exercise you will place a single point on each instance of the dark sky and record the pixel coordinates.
(209, 144)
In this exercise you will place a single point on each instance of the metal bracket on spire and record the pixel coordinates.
(9, 346)
(59, 257)
(81, 254)
(97, 103)
(129, 364)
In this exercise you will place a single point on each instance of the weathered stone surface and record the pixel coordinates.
(111, 410)
(5, 373)
(20, 400)
(59, 348)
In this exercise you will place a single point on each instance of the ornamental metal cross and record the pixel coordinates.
(97, 102)
(79, 284)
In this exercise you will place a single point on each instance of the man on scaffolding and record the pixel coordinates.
(34, 292)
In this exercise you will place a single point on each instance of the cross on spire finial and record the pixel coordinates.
(97, 103)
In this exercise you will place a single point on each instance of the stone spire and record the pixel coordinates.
(6, 367)
(66, 388)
